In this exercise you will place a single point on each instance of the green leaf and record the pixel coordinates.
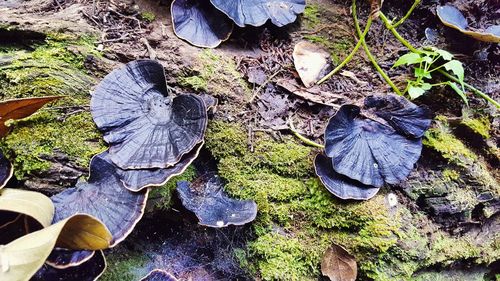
(457, 69)
(459, 91)
(444, 54)
(415, 92)
(410, 58)
(21, 258)
(420, 72)
(427, 59)
(30, 203)
(426, 86)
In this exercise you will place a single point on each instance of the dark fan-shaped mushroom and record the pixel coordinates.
(6, 170)
(205, 197)
(104, 197)
(340, 185)
(257, 12)
(404, 116)
(144, 126)
(63, 258)
(90, 270)
(452, 17)
(14, 225)
(200, 23)
(368, 151)
(159, 275)
(138, 179)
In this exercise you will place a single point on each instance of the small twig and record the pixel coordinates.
(396, 34)
(301, 137)
(264, 84)
(369, 54)
(151, 51)
(351, 55)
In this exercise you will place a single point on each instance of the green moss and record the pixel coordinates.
(481, 126)
(338, 47)
(216, 74)
(64, 126)
(450, 174)
(161, 197)
(311, 16)
(122, 267)
(148, 16)
(443, 141)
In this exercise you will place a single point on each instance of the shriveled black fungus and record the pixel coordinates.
(257, 12)
(63, 258)
(144, 126)
(340, 185)
(90, 270)
(6, 170)
(368, 151)
(159, 275)
(200, 23)
(138, 179)
(104, 197)
(452, 17)
(206, 198)
(404, 116)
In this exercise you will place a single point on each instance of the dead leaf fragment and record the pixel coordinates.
(338, 264)
(311, 61)
(20, 108)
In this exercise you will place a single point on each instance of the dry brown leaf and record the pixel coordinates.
(311, 61)
(20, 108)
(338, 264)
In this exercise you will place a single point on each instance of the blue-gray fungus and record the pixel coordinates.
(159, 275)
(89, 270)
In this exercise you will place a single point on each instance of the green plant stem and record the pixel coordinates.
(369, 54)
(472, 88)
(396, 34)
(351, 55)
(399, 22)
(301, 137)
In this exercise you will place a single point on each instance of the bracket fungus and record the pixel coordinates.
(200, 23)
(368, 151)
(144, 126)
(89, 270)
(452, 17)
(404, 116)
(159, 275)
(258, 12)
(139, 179)
(363, 154)
(6, 170)
(61, 258)
(104, 197)
(341, 186)
(207, 200)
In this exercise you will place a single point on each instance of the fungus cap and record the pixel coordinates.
(404, 116)
(207, 200)
(6, 170)
(367, 151)
(340, 185)
(61, 258)
(452, 17)
(139, 179)
(104, 197)
(89, 270)
(200, 23)
(144, 126)
(257, 12)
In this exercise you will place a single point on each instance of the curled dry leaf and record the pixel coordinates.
(21, 258)
(311, 61)
(20, 108)
(339, 265)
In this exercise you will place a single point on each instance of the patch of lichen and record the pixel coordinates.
(122, 266)
(217, 75)
(54, 67)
